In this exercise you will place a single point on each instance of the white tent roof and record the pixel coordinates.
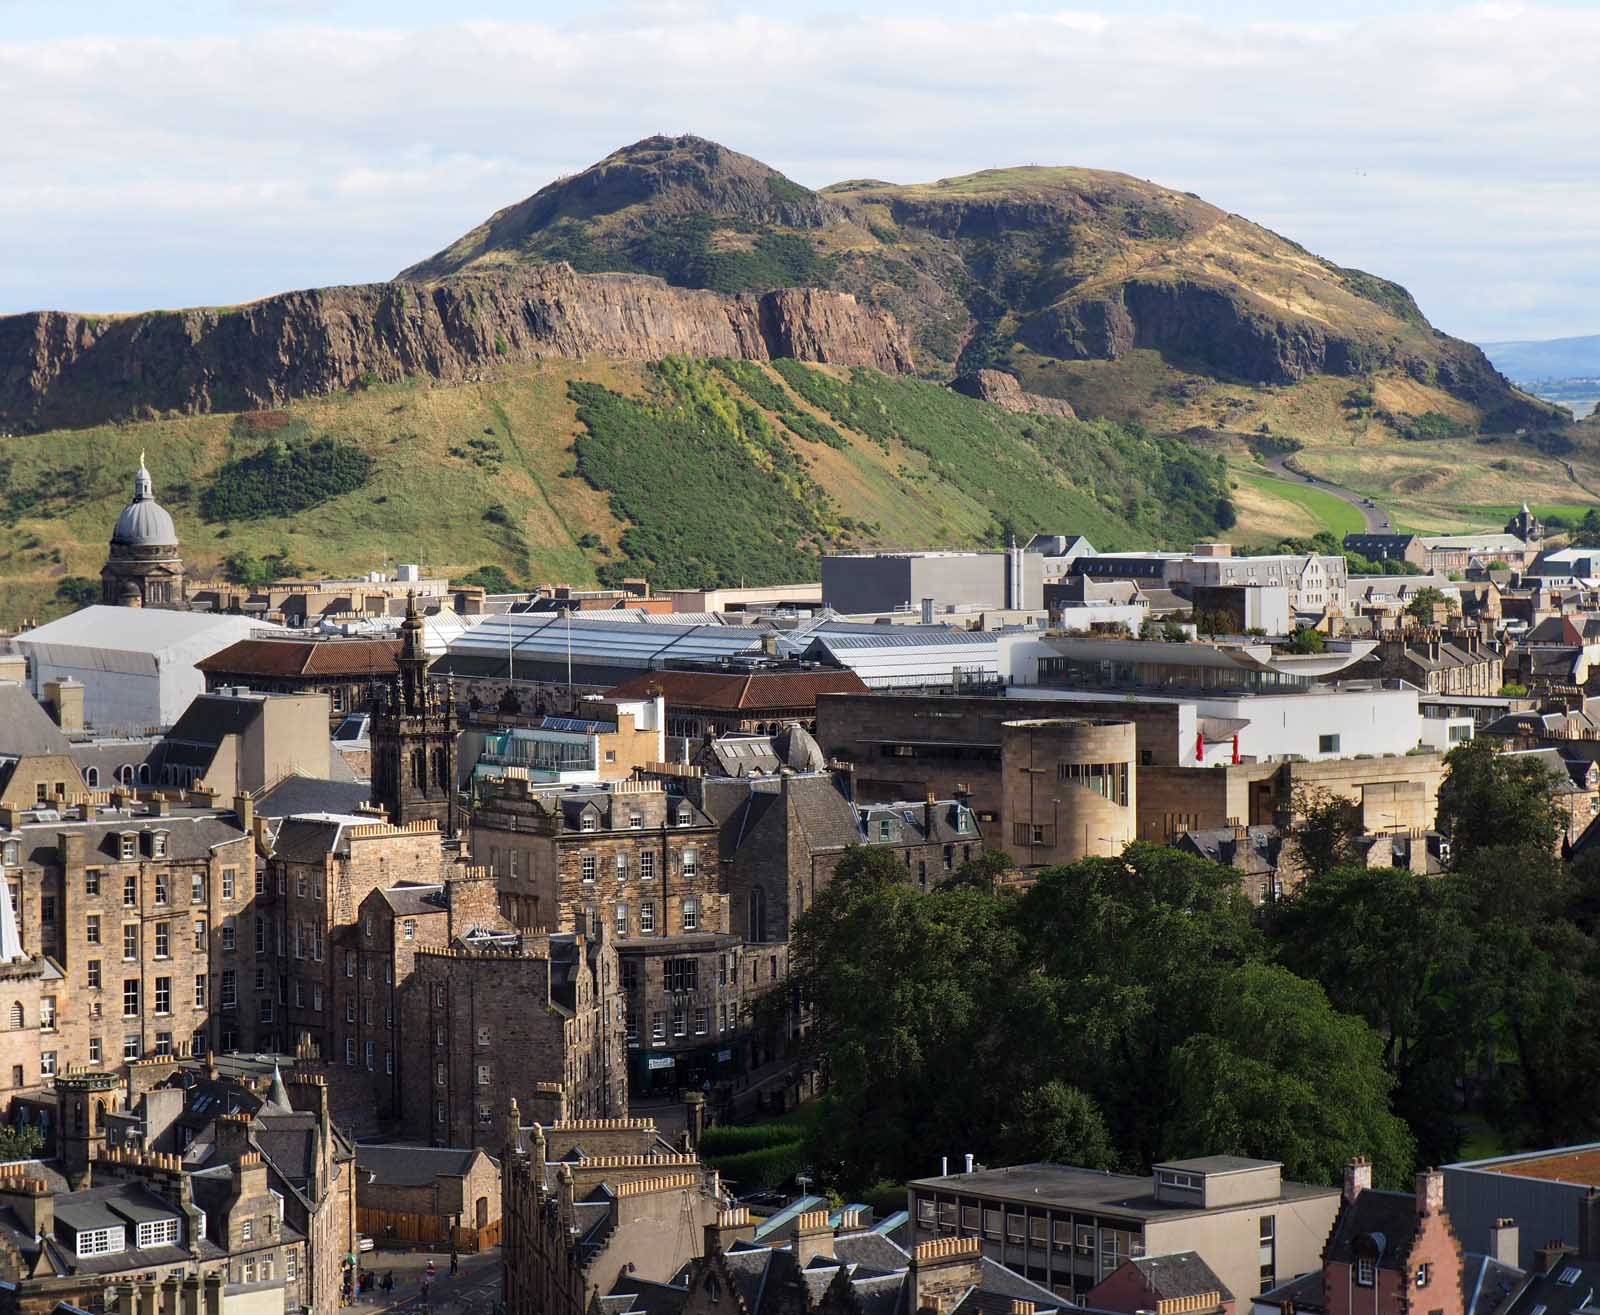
(140, 629)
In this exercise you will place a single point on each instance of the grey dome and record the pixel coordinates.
(797, 749)
(144, 522)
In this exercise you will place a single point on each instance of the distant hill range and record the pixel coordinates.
(1552, 358)
(1126, 299)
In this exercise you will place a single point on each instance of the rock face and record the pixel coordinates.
(1003, 390)
(62, 369)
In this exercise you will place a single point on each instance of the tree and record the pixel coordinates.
(21, 1141)
(984, 872)
(78, 590)
(1307, 640)
(1172, 631)
(1281, 1075)
(1060, 1123)
(1424, 601)
(1327, 829)
(491, 579)
(1493, 800)
(1587, 535)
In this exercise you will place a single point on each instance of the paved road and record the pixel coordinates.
(1376, 518)
(475, 1291)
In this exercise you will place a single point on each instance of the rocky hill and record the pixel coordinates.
(1044, 272)
(58, 368)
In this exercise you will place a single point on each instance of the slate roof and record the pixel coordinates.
(1180, 1274)
(310, 794)
(740, 691)
(414, 1166)
(189, 835)
(310, 837)
(411, 901)
(25, 728)
(283, 658)
(1384, 1220)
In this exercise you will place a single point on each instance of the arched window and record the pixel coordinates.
(144, 773)
(439, 768)
(758, 914)
(125, 774)
(419, 769)
(91, 777)
(17, 1018)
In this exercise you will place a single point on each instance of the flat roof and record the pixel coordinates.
(1219, 1164)
(1069, 1188)
(1574, 1164)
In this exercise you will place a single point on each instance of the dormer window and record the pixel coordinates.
(12, 853)
(589, 822)
(100, 1241)
(685, 817)
(1366, 1271)
(158, 1232)
(635, 820)
(158, 844)
(127, 850)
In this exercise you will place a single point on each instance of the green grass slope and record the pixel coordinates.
(688, 472)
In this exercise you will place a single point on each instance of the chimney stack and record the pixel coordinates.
(1430, 1192)
(812, 1237)
(1551, 1254)
(1357, 1177)
(1589, 1225)
(1503, 1239)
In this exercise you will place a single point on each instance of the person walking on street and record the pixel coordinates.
(388, 1283)
(455, 1262)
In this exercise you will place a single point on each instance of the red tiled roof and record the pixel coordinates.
(730, 691)
(304, 657)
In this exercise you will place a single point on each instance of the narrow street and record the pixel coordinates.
(475, 1291)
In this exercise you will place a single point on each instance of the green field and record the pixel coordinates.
(1337, 516)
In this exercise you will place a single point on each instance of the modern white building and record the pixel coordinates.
(136, 664)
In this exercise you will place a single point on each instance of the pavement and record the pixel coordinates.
(474, 1291)
(1376, 518)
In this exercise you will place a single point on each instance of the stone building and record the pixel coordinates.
(574, 1223)
(144, 907)
(533, 1016)
(644, 865)
(413, 737)
(450, 1186)
(701, 704)
(1436, 662)
(144, 568)
(36, 762)
(1392, 1253)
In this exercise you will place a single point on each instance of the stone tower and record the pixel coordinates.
(414, 737)
(143, 568)
(83, 1098)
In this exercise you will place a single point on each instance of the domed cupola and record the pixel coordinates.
(143, 568)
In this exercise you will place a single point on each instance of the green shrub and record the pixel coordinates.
(492, 579)
(78, 590)
(283, 478)
(735, 1138)
(758, 1170)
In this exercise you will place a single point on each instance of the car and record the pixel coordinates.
(365, 1243)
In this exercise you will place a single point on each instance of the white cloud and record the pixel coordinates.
(1453, 150)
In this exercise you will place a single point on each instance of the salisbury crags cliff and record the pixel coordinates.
(62, 369)
(1029, 270)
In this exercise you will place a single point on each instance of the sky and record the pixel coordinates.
(193, 152)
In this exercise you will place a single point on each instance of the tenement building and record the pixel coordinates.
(584, 1201)
(644, 865)
(535, 1017)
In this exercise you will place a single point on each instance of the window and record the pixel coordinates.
(47, 1013)
(483, 1038)
(130, 940)
(408, 929)
(261, 934)
(589, 822)
(587, 865)
(647, 916)
(1366, 1270)
(94, 974)
(230, 935)
(127, 851)
(163, 940)
(1268, 1258)
(130, 998)
(622, 919)
(678, 1028)
(47, 1063)
(680, 975)
(700, 1021)
(658, 1027)
(130, 1046)
(636, 820)
(439, 1075)
(1327, 744)
(367, 1053)
(316, 996)
(100, 1241)
(163, 1044)
(94, 1050)
(622, 867)
(691, 862)
(647, 866)
(350, 1010)
(197, 888)
(289, 1271)
(247, 1230)
(483, 1075)
(199, 990)
(161, 877)
(230, 990)
(350, 1051)
(685, 817)
(366, 921)
(691, 915)
(388, 1061)
(1424, 1274)
(91, 881)
(163, 995)
(349, 963)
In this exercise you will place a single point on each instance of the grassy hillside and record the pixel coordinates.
(687, 472)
